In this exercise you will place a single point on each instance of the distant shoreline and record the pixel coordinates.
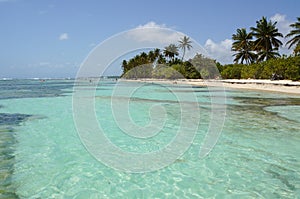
(283, 86)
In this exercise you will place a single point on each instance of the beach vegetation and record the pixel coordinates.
(256, 56)
(142, 66)
(171, 51)
(185, 44)
(243, 46)
(295, 34)
(267, 40)
(166, 64)
(274, 69)
(256, 53)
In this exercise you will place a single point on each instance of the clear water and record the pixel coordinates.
(41, 155)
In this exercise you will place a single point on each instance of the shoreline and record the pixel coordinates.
(281, 86)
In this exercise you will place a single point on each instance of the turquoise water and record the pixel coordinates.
(257, 154)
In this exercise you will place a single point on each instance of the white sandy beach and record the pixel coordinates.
(284, 86)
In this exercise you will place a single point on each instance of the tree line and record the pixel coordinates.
(168, 64)
(262, 42)
(256, 56)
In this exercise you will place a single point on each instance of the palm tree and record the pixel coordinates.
(184, 44)
(266, 42)
(171, 51)
(296, 36)
(243, 45)
(151, 56)
(156, 52)
(267, 54)
(297, 49)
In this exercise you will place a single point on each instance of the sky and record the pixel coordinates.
(52, 38)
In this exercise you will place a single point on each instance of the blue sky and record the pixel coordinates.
(51, 38)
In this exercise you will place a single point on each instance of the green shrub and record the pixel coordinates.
(232, 71)
(284, 67)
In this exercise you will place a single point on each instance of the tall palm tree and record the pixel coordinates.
(296, 36)
(185, 44)
(243, 45)
(266, 42)
(171, 51)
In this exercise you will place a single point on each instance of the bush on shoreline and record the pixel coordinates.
(279, 68)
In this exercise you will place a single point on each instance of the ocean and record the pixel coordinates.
(48, 141)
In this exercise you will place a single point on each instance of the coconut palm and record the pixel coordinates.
(185, 44)
(171, 51)
(267, 54)
(266, 42)
(295, 41)
(243, 45)
(156, 52)
(297, 49)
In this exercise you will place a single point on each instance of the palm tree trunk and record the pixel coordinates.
(183, 54)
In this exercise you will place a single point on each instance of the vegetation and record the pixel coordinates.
(266, 44)
(185, 44)
(261, 55)
(295, 41)
(167, 65)
(243, 45)
(256, 56)
(279, 68)
(171, 51)
(264, 47)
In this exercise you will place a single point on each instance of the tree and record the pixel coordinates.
(156, 52)
(266, 43)
(206, 66)
(171, 51)
(297, 49)
(243, 45)
(185, 44)
(295, 41)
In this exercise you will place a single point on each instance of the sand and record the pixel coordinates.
(284, 86)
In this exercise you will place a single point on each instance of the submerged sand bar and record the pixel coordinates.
(284, 86)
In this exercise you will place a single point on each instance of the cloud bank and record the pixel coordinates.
(63, 36)
(220, 51)
(152, 31)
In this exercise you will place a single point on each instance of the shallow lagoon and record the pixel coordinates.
(257, 154)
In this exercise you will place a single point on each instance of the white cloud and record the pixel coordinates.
(64, 36)
(283, 26)
(152, 31)
(152, 24)
(220, 51)
(44, 64)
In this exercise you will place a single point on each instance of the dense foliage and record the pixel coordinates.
(259, 49)
(279, 68)
(141, 66)
(264, 47)
(166, 64)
